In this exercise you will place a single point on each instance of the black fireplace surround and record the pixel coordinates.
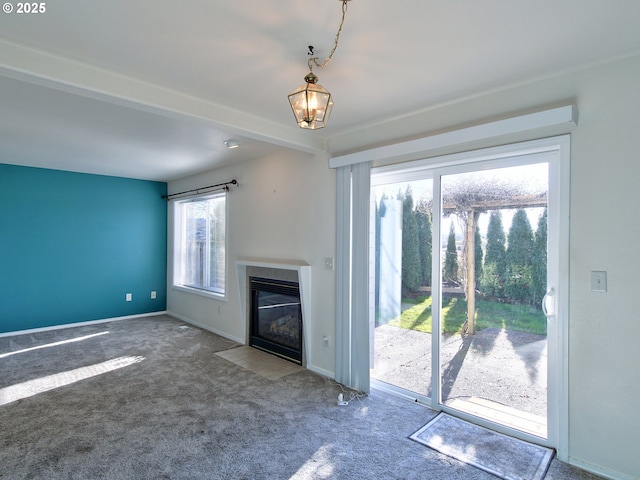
(276, 317)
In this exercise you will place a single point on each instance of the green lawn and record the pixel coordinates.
(488, 314)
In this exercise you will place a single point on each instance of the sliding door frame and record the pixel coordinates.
(558, 148)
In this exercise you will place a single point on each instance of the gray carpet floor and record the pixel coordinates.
(148, 399)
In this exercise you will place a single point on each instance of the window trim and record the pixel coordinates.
(555, 121)
(178, 233)
(201, 292)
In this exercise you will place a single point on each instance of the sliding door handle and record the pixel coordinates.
(548, 303)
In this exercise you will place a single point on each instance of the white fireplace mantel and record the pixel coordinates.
(304, 280)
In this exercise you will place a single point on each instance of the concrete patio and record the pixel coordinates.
(498, 374)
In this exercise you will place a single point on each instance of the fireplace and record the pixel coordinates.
(276, 317)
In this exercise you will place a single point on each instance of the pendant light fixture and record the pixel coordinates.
(311, 102)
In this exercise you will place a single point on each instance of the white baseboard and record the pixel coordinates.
(598, 470)
(208, 328)
(322, 372)
(80, 324)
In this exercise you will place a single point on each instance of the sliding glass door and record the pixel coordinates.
(467, 249)
(402, 323)
(493, 331)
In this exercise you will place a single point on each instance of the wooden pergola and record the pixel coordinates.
(472, 208)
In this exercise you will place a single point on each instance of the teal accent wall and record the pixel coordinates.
(72, 245)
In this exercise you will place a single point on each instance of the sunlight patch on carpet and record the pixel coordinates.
(506, 457)
(319, 466)
(54, 344)
(33, 387)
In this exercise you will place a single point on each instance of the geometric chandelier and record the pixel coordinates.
(311, 102)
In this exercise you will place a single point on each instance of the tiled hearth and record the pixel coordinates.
(261, 363)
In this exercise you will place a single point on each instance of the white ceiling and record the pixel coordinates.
(150, 89)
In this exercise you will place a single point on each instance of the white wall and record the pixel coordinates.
(285, 208)
(282, 209)
(604, 328)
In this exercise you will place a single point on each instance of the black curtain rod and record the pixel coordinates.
(225, 186)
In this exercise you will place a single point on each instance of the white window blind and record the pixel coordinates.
(352, 276)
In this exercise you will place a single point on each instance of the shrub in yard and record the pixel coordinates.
(539, 261)
(411, 271)
(518, 256)
(450, 273)
(423, 216)
(494, 267)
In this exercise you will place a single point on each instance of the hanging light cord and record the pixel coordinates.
(314, 60)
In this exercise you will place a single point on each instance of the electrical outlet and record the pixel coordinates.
(328, 263)
(128, 297)
(153, 294)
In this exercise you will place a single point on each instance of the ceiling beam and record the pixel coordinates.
(52, 71)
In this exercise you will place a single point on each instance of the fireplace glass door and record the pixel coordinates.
(276, 318)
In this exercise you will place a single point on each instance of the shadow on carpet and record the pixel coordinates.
(503, 456)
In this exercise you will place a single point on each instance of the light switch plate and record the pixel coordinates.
(598, 281)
